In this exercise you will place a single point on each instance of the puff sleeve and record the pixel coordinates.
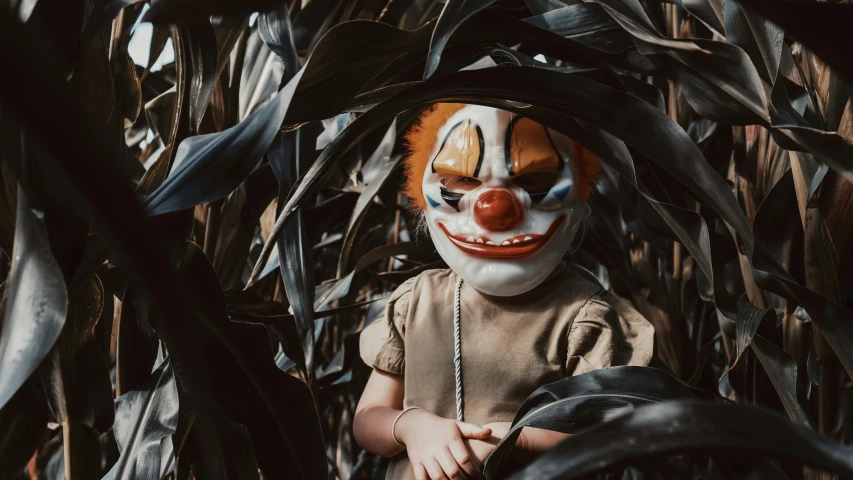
(608, 332)
(381, 343)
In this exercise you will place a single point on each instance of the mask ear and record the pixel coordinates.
(421, 141)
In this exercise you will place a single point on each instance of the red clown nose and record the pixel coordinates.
(498, 210)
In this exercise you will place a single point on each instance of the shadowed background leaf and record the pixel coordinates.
(250, 224)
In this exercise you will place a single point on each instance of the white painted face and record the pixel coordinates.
(500, 199)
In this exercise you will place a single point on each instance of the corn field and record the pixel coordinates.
(191, 246)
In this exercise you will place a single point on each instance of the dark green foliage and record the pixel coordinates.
(189, 253)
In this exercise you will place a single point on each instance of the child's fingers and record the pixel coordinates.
(420, 472)
(449, 465)
(434, 469)
(469, 430)
(465, 459)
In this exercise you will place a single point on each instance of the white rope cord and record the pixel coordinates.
(457, 348)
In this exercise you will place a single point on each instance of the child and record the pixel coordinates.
(460, 349)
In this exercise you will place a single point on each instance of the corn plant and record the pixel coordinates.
(191, 246)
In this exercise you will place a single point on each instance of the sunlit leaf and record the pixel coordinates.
(452, 15)
(203, 162)
(36, 301)
(174, 11)
(143, 418)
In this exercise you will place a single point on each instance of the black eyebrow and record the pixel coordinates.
(480, 140)
(482, 151)
(444, 142)
(563, 160)
(508, 145)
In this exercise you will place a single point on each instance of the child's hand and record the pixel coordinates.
(530, 443)
(481, 449)
(436, 446)
(499, 429)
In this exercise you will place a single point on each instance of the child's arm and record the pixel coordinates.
(534, 441)
(435, 445)
(380, 403)
(531, 442)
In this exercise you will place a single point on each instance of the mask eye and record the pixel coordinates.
(459, 183)
(536, 184)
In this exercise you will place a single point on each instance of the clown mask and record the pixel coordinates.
(503, 196)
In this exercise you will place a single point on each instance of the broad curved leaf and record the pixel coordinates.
(287, 160)
(144, 417)
(135, 344)
(208, 167)
(822, 26)
(748, 320)
(102, 12)
(761, 39)
(205, 70)
(376, 170)
(586, 23)
(36, 301)
(575, 404)
(358, 56)
(452, 15)
(176, 11)
(792, 130)
(276, 408)
(782, 370)
(777, 211)
(735, 97)
(681, 427)
(261, 74)
(709, 12)
(276, 30)
(295, 264)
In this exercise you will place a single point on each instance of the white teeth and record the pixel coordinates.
(471, 239)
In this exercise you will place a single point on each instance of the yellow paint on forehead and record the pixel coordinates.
(461, 151)
(531, 150)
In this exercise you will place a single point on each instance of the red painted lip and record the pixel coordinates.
(518, 247)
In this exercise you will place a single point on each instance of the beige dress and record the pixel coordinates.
(510, 345)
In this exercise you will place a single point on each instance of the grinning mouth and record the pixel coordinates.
(515, 247)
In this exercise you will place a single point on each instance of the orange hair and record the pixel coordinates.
(421, 139)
